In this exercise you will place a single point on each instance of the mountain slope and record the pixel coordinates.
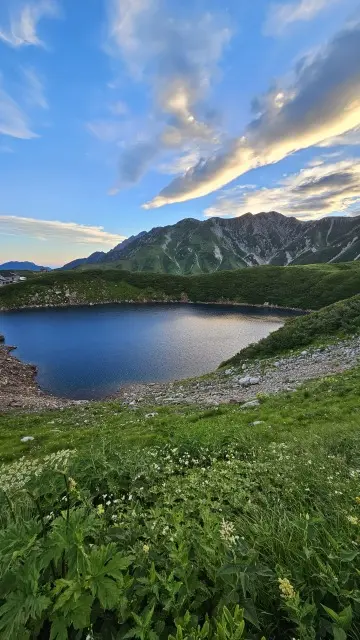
(192, 246)
(94, 258)
(21, 266)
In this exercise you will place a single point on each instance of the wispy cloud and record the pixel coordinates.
(67, 232)
(313, 192)
(34, 89)
(23, 21)
(180, 163)
(177, 58)
(13, 120)
(281, 15)
(322, 102)
(106, 130)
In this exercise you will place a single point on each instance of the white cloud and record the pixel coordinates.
(177, 58)
(322, 102)
(316, 191)
(181, 163)
(13, 121)
(66, 232)
(24, 18)
(34, 89)
(282, 15)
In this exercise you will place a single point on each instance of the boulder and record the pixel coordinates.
(250, 404)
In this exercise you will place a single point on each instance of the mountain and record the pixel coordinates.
(22, 266)
(94, 258)
(193, 246)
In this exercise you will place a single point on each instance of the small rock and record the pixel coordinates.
(151, 415)
(251, 403)
(228, 372)
(254, 381)
(256, 422)
(304, 353)
(243, 367)
(277, 364)
(245, 382)
(26, 439)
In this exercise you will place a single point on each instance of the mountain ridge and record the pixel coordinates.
(194, 246)
(22, 266)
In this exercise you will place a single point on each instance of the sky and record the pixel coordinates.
(117, 116)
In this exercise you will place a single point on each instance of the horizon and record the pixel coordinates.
(130, 116)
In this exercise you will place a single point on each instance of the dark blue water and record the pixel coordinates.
(89, 352)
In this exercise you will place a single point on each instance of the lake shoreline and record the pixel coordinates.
(224, 303)
(19, 388)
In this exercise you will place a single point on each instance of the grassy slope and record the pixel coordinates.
(310, 286)
(212, 512)
(336, 320)
(286, 486)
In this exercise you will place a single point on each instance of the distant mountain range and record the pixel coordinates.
(193, 246)
(22, 266)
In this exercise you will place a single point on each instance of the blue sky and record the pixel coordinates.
(121, 115)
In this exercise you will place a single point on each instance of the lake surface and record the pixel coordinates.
(89, 352)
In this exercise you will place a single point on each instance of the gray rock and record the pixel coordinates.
(229, 372)
(151, 415)
(245, 382)
(26, 439)
(250, 403)
(256, 422)
(254, 381)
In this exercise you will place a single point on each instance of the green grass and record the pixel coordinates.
(338, 320)
(154, 527)
(305, 287)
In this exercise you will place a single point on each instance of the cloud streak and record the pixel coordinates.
(13, 120)
(282, 15)
(34, 89)
(50, 230)
(24, 19)
(322, 102)
(315, 191)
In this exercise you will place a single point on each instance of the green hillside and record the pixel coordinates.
(305, 287)
(340, 319)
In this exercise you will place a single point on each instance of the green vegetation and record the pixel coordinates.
(339, 320)
(218, 524)
(177, 523)
(304, 287)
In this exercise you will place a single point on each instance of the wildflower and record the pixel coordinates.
(357, 499)
(287, 591)
(227, 532)
(72, 484)
(100, 509)
(146, 548)
(353, 520)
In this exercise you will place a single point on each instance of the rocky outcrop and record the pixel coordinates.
(19, 389)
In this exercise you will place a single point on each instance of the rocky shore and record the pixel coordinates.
(242, 385)
(19, 389)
